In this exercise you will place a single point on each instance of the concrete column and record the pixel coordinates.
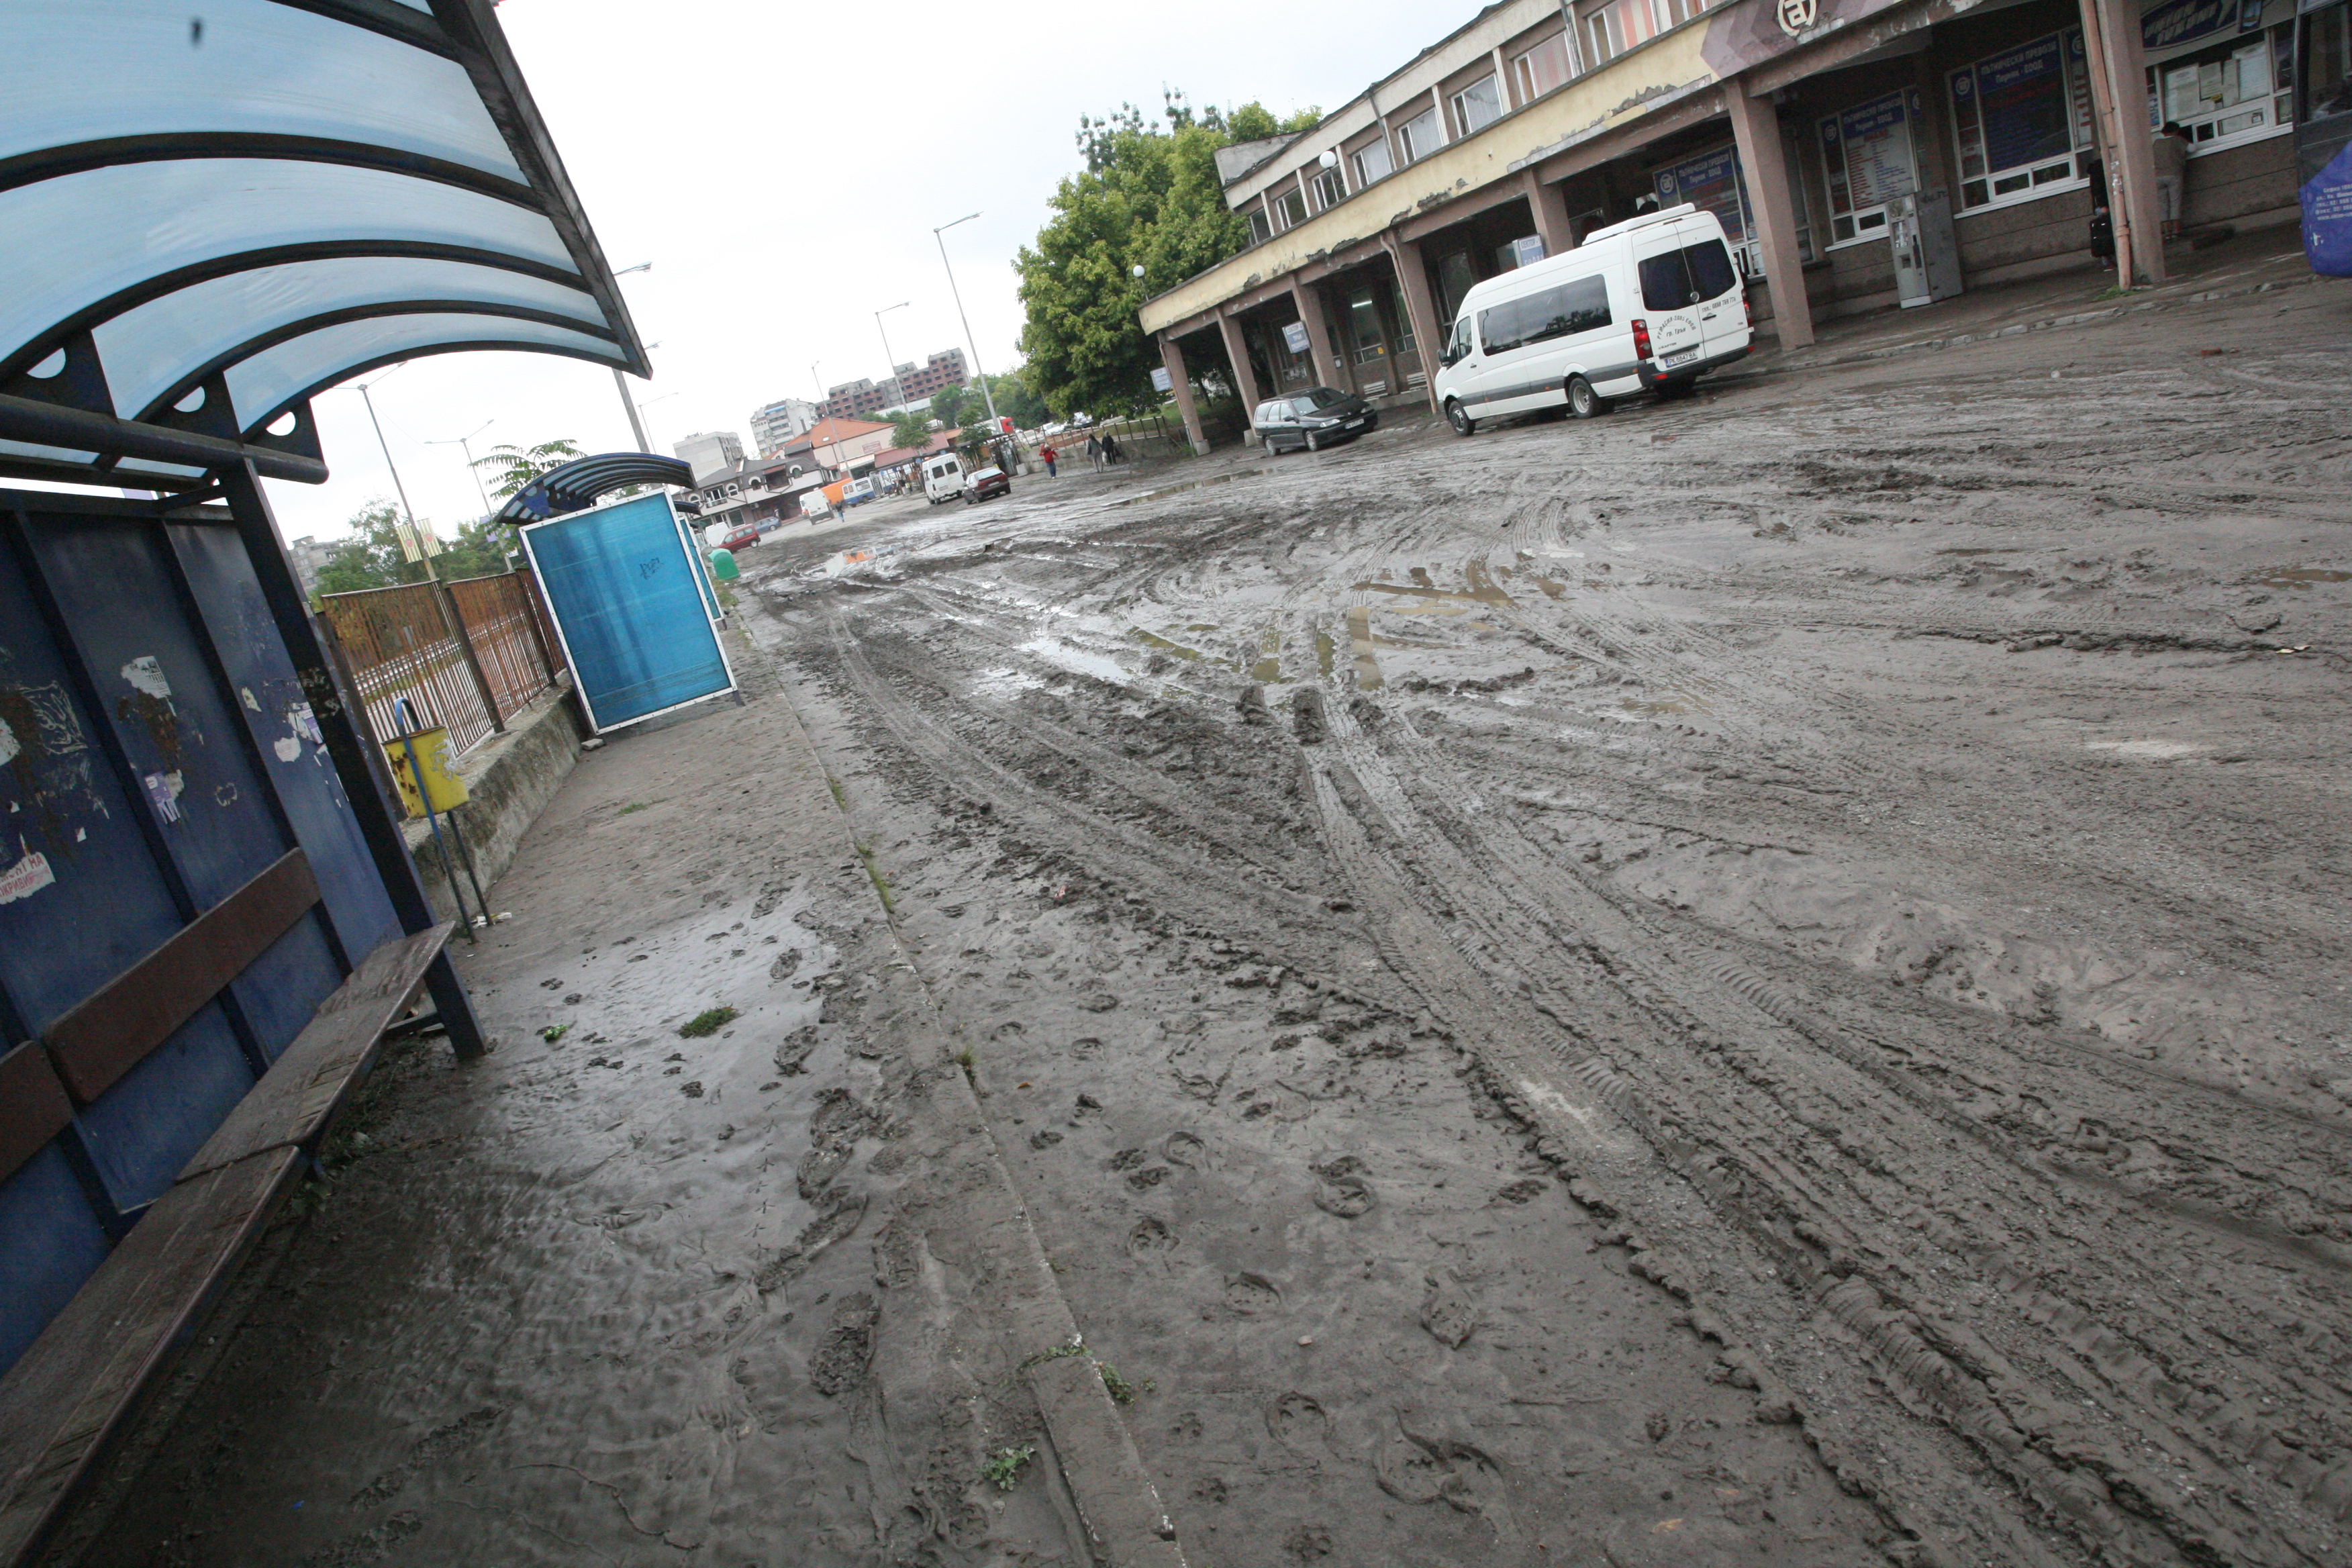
(1173, 358)
(1245, 379)
(1309, 298)
(2118, 65)
(1757, 129)
(1550, 206)
(1428, 331)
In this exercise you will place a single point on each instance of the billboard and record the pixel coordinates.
(632, 608)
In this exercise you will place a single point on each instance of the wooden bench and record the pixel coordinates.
(72, 1389)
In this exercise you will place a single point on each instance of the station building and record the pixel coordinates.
(1802, 125)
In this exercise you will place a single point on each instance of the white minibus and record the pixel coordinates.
(1649, 304)
(943, 477)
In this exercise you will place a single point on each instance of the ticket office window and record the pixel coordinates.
(1366, 343)
(1867, 160)
(2022, 121)
(2236, 91)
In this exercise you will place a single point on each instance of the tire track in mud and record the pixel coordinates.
(2092, 1485)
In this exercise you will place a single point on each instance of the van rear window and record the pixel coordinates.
(1555, 312)
(1690, 276)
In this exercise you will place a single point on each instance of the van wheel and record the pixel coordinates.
(1582, 401)
(1459, 418)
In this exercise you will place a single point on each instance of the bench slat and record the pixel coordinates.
(32, 1106)
(62, 1399)
(305, 1086)
(112, 1030)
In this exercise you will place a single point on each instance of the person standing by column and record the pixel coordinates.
(1049, 455)
(2172, 176)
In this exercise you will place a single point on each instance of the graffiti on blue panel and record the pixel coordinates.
(46, 761)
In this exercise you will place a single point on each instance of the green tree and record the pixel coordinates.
(1148, 197)
(511, 467)
(911, 427)
(948, 405)
(371, 557)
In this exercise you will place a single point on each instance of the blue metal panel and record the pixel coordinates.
(116, 586)
(622, 585)
(221, 579)
(53, 1244)
(158, 1113)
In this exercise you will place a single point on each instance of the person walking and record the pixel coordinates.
(1094, 453)
(1110, 450)
(2172, 175)
(1049, 455)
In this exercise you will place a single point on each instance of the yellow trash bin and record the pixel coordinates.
(440, 769)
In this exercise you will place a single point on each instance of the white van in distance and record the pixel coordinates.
(943, 478)
(1649, 304)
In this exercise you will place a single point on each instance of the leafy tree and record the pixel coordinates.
(911, 427)
(371, 557)
(511, 467)
(1148, 198)
(948, 405)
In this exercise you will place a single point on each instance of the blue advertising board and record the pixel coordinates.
(2022, 98)
(2326, 200)
(1713, 183)
(625, 591)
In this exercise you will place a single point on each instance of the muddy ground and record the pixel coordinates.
(1759, 981)
(1776, 961)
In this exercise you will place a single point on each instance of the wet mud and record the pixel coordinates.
(1774, 963)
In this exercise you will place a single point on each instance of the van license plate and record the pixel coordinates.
(1685, 357)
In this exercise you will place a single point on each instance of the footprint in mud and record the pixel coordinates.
(1299, 1423)
(1150, 1238)
(1184, 1148)
(1345, 1192)
(1416, 1468)
(1524, 1191)
(1151, 1176)
(1252, 1295)
(847, 1349)
(1043, 1139)
(1098, 1001)
(787, 963)
(1087, 1105)
(1680, 1541)
(1447, 1311)
(1086, 1048)
(1127, 1158)
(791, 1056)
(1308, 1542)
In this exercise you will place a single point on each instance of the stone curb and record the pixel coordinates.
(1119, 1507)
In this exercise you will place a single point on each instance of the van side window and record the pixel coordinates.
(1458, 347)
(1555, 312)
(1690, 276)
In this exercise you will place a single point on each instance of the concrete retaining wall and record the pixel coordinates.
(509, 778)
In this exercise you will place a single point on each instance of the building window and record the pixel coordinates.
(2224, 94)
(1866, 154)
(1713, 183)
(1622, 25)
(1541, 68)
(1419, 137)
(1261, 230)
(1373, 164)
(2022, 121)
(2327, 68)
(1366, 342)
(1289, 209)
(1329, 188)
(1477, 106)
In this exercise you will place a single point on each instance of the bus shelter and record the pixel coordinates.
(208, 916)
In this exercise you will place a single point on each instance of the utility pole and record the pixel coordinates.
(971, 343)
(407, 515)
(465, 444)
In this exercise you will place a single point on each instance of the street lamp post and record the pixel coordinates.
(971, 343)
(620, 382)
(465, 444)
(888, 358)
(407, 514)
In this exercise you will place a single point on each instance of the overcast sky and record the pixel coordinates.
(781, 166)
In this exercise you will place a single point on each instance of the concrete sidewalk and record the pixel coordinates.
(713, 1256)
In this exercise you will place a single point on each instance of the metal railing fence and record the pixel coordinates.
(465, 655)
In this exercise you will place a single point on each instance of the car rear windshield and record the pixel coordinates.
(1690, 276)
(1318, 397)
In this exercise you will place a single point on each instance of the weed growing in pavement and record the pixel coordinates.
(707, 1022)
(1121, 1391)
(874, 874)
(632, 805)
(1003, 1471)
(554, 1032)
(840, 796)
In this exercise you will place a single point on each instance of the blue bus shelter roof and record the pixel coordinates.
(216, 213)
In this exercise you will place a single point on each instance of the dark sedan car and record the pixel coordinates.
(1319, 416)
(987, 482)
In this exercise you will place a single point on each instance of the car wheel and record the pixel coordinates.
(1457, 417)
(1313, 443)
(1582, 401)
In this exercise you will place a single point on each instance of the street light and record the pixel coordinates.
(362, 388)
(620, 384)
(465, 444)
(886, 357)
(971, 343)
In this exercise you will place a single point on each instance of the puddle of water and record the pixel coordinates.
(1630, 706)
(1055, 651)
(1179, 650)
(1006, 683)
(1267, 671)
(2147, 750)
(2010, 550)
(1323, 651)
(1551, 589)
(1360, 634)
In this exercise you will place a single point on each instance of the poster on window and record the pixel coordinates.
(1877, 141)
(2022, 100)
(1710, 182)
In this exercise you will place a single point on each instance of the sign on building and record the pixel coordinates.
(1160, 380)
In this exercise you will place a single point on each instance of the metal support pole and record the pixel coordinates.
(970, 342)
(636, 420)
(448, 862)
(281, 590)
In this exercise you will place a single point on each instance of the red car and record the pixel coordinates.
(743, 534)
(986, 483)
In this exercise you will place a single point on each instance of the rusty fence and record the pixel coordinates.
(465, 655)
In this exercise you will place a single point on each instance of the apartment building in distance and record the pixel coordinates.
(906, 385)
(779, 421)
(708, 452)
(1810, 127)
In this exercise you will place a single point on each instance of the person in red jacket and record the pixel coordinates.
(1049, 455)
